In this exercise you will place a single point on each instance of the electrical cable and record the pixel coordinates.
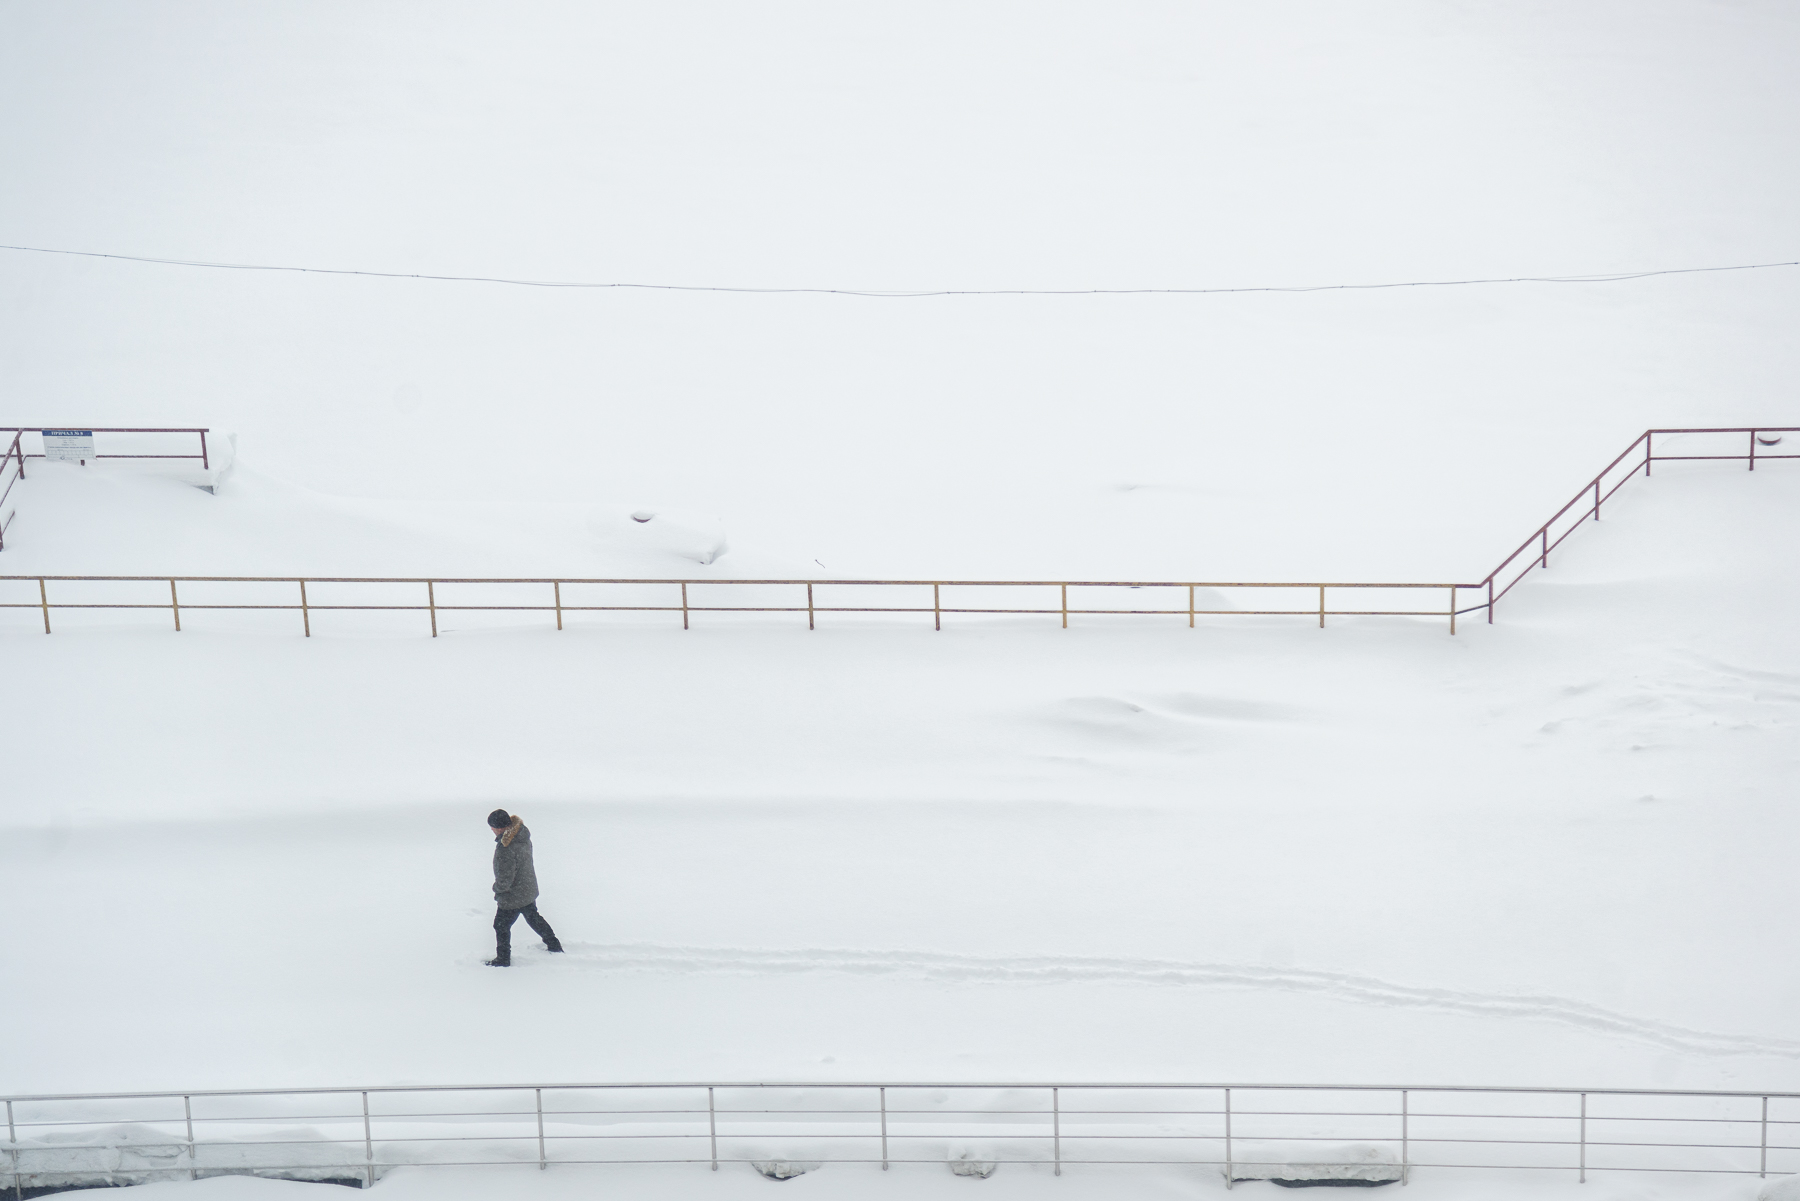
(1613, 277)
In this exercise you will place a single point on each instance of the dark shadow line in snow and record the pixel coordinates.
(1047, 969)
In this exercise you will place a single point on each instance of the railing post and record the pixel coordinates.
(1649, 455)
(1321, 606)
(175, 604)
(1405, 1134)
(305, 616)
(1583, 1138)
(205, 463)
(1228, 1171)
(557, 585)
(1065, 615)
(368, 1144)
(884, 1155)
(12, 1139)
(187, 1109)
(712, 1117)
(1544, 554)
(1490, 604)
(44, 602)
(1762, 1163)
(542, 1161)
(1190, 606)
(809, 606)
(684, 625)
(1056, 1130)
(937, 611)
(1753, 450)
(1596, 500)
(431, 603)
(1453, 610)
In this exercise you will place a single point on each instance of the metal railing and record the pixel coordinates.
(563, 598)
(19, 431)
(559, 597)
(12, 464)
(12, 470)
(1569, 518)
(1244, 1131)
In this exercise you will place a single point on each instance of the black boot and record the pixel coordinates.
(502, 956)
(554, 945)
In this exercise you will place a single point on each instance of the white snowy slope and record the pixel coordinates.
(1548, 851)
(904, 145)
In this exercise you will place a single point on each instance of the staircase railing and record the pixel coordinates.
(1541, 542)
(436, 597)
(12, 470)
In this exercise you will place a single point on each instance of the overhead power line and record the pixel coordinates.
(1603, 278)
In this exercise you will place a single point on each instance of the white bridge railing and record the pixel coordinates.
(1258, 1131)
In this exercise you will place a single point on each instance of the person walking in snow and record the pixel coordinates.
(515, 886)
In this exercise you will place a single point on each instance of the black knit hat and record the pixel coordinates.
(499, 819)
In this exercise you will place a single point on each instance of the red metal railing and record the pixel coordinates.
(681, 599)
(12, 470)
(1536, 550)
(1758, 436)
(205, 460)
(12, 464)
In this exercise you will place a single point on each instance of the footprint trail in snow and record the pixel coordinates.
(1047, 969)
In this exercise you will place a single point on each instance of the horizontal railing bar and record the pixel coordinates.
(953, 1130)
(872, 1135)
(359, 1166)
(1736, 458)
(204, 456)
(759, 1129)
(1735, 429)
(1314, 612)
(1107, 1086)
(968, 1116)
(294, 579)
(1071, 611)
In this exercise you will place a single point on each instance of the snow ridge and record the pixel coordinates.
(1077, 969)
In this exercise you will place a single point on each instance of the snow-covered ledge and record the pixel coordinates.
(1362, 1165)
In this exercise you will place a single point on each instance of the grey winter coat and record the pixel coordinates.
(515, 879)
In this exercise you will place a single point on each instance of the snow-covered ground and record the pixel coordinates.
(860, 1181)
(1548, 851)
(1553, 851)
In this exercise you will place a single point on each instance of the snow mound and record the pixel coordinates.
(1784, 1188)
(785, 1169)
(1345, 1164)
(139, 1153)
(659, 534)
(968, 1165)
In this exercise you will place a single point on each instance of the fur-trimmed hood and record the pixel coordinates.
(512, 831)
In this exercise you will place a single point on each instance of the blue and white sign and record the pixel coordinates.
(77, 445)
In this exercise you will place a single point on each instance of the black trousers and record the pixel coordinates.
(503, 924)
